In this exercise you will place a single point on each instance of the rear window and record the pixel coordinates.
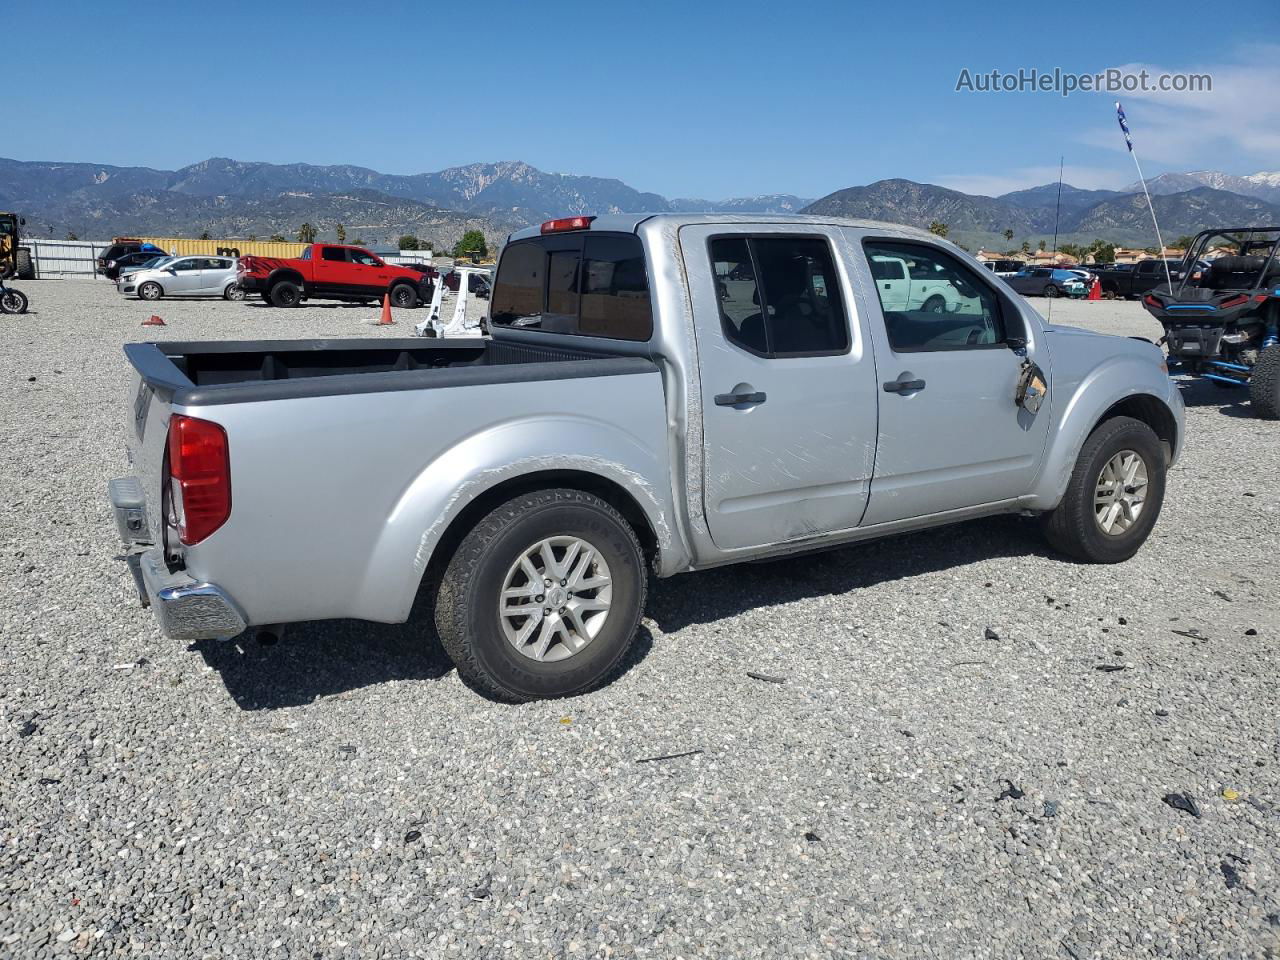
(589, 284)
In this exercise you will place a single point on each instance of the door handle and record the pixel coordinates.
(734, 399)
(903, 386)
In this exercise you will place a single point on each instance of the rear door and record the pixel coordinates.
(950, 433)
(787, 382)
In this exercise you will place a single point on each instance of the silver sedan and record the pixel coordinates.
(184, 277)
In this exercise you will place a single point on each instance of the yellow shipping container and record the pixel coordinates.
(186, 247)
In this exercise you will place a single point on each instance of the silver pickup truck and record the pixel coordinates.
(660, 394)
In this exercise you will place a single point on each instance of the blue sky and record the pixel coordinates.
(685, 99)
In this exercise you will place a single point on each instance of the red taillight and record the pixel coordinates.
(1235, 301)
(200, 477)
(567, 223)
(1151, 301)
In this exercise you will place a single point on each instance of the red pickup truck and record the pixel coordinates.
(332, 271)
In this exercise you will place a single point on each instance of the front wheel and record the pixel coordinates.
(13, 301)
(1264, 385)
(1114, 495)
(150, 291)
(543, 597)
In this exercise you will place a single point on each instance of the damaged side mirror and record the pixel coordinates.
(1032, 387)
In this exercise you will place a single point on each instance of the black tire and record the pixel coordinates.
(934, 304)
(1051, 291)
(26, 269)
(150, 291)
(233, 292)
(1073, 527)
(466, 609)
(1264, 385)
(404, 297)
(13, 301)
(285, 293)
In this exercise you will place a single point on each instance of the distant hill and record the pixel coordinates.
(235, 198)
(1264, 186)
(1086, 215)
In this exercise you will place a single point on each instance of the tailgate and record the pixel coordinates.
(147, 430)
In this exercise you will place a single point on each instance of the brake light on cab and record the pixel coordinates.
(199, 477)
(566, 223)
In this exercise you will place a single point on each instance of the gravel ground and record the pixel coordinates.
(918, 786)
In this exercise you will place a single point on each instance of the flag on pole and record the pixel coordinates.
(1124, 126)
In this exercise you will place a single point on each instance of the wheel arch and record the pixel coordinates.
(606, 488)
(1125, 386)
(286, 273)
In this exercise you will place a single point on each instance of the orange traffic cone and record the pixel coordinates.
(155, 321)
(386, 311)
(1095, 291)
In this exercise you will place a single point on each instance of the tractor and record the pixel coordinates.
(15, 260)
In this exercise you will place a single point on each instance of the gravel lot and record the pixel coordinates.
(342, 794)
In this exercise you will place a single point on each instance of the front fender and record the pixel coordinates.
(1089, 399)
(496, 455)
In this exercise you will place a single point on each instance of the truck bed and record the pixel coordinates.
(206, 373)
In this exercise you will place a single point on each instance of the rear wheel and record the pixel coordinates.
(935, 304)
(1114, 495)
(285, 293)
(233, 292)
(404, 296)
(1051, 291)
(13, 301)
(150, 291)
(543, 597)
(1264, 385)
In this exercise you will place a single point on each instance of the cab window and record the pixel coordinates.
(941, 305)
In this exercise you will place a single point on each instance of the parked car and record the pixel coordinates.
(185, 277)
(1045, 282)
(1133, 280)
(1004, 268)
(111, 266)
(908, 284)
(332, 271)
(145, 265)
(635, 411)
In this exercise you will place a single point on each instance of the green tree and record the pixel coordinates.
(1026, 247)
(430, 245)
(1008, 235)
(472, 242)
(341, 232)
(306, 233)
(277, 238)
(1042, 246)
(1103, 251)
(358, 241)
(1184, 241)
(409, 242)
(205, 235)
(939, 229)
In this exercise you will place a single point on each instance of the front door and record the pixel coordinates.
(186, 276)
(787, 383)
(951, 434)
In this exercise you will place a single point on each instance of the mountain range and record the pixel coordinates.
(233, 198)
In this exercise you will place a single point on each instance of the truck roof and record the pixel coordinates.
(629, 222)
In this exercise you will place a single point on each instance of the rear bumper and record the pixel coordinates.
(187, 608)
(252, 284)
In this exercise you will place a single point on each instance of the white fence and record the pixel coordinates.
(64, 259)
(59, 259)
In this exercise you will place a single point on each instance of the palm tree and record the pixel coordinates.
(307, 233)
(1008, 235)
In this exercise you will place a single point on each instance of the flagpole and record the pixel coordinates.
(1143, 180)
